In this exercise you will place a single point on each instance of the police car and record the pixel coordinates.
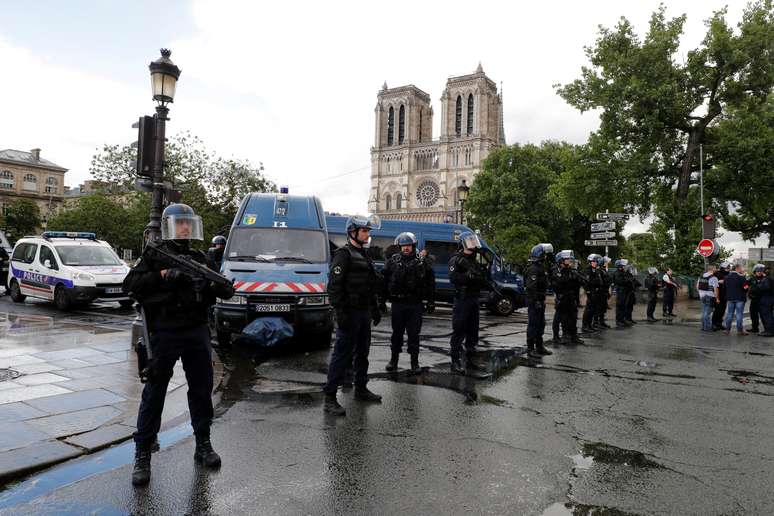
(67, 268)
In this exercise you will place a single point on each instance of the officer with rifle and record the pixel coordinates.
(175, 288)
(536, 287)
(566, 282)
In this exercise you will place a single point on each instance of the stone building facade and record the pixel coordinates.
(26, 175)
(415, 177)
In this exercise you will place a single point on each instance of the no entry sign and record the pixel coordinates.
(707, 247)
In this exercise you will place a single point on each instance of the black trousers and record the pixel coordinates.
(192, 346)
(719, 313)
(591, 309)
(765, 311)
(669, 300)
(621, 305)
(755, 314)
(406, 318)
(465, 320)
(536, 319)
(652, 300)
(601, 303)
(355, 340)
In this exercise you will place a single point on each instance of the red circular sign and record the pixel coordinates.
(707, 247)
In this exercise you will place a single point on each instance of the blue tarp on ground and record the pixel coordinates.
(267, 331)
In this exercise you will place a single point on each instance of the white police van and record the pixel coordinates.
(67, 268)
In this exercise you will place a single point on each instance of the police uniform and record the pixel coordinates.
(566, 282)
(468, 279)
(594, 284)
(762, 295)
(719, 312)
(623, 288)
(536, 287)
(602, 298)
(215, 256)
(652, 284)
(352, 288)
(631, 300)
(408, 281)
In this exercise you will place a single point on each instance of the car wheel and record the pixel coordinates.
(61, 300)
(16, 294)
(503, 306)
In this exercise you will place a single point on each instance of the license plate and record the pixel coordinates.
(272, 308)
(113, 290)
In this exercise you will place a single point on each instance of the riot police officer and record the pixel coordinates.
(719, 312)
(652, 284)
(594, 283)
(176, 307)
(604, 292)
(536, 286)
(761, 293)
(623, 288)
(408, 280)
(353, 288)
(566, 281)
(632, 299)
(468, 279)
(215, 253)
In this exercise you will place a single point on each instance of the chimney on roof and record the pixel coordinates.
(35, 154)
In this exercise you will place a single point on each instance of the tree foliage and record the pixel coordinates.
(22, 217)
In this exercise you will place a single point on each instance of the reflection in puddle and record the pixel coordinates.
(582, 462)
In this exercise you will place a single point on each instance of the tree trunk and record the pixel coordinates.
(684, 181)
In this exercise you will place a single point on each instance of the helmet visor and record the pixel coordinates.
(182, 227)
(471, 241)
(548, 248)
(374, 222)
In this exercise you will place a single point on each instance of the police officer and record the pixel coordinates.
(353, 288)
(594, 283)
(176, 308)
(536, 286)
(468, 279)
(604, 293)
(623, 288)
(566, 281)
(652, 284)
(761, 293)
(215, 253)
(631, 300)
(719, 312)
(408, 281)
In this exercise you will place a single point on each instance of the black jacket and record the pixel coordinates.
(408, 279)
(760, 287)
(652, 283)
(353, 283)
(623, 281)
(169, 304)
(537, 281)
(594, 281)
(466, 275)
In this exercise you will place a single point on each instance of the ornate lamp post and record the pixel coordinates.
(462, 196)
(164, 76)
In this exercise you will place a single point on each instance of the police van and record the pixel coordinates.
(277, 254)
(441, 242)
(67, 268)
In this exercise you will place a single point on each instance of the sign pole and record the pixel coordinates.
(607, 211)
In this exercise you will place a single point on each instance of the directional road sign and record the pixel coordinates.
(602, 226)
(612, 216)
(600, 243)
(603, 235)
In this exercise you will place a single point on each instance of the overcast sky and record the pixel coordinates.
(294, 84)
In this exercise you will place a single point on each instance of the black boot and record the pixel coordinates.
(631, 322)
(652, 319)
(392, 365)
(576, 340)
(541, 348)
(456, 366)
(415, 369)
(204, 453)
(531, 351)
(331, 405)
(142, 464)
(363, 394)
(604, 324)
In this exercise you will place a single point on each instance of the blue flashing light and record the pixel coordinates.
(284, 189)
(69, 234)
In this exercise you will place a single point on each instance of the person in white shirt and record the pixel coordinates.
(708, 287)
(670, 291)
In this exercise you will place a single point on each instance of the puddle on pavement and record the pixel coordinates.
(582, 462)
(609, 454)
(40, 484)
(573, 509)
(745, 377)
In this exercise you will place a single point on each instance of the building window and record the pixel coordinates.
(428, 193)
(398, 201)
(458, 117)
(30, 183)
(390, 126)
(388, 202)
(401, 124)
(470, 114)
(6, 180)
(51, 185)
(420, 124)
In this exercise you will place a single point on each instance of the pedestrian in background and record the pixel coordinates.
(670, 291)
(756, 283)
(708, 288)
(736, 297)
(719, 312)
(652, 284)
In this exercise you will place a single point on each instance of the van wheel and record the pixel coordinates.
(61, 300)
(16, 294)
(503, 306)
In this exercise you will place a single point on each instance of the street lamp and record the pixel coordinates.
(164, 76)
(462, 196)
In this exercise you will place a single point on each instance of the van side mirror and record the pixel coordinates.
(47, 264)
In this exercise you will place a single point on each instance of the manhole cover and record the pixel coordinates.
(8, 374)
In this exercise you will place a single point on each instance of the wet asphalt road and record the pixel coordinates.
(652, 420)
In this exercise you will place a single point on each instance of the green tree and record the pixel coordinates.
(22, 217)
(655, 111)
(99, 214)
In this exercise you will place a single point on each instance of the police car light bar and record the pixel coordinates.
(69, 234)
(284, 189)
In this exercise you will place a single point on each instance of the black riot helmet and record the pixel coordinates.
(219, 240)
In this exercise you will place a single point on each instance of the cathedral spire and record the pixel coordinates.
(384, 86)
(480, 69)
(502, 118)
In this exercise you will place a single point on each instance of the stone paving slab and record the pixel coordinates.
(101, 437)
(45, 367)
(30, 392)
(77, 422)
(18, 412)
(19, 360)
(110, 347)
(74, 401)
(18, 434)
(40, 379)
(9, 350)
(102, 359)
(66, 353)
(8, 384)
(69, 363)
(38, 455)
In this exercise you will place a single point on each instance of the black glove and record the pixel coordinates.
(175, 275)
(430, 307)
(342, 319)
(376, 316)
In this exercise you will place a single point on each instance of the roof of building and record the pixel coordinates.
(26, 158)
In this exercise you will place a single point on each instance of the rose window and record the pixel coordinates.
(428, 194)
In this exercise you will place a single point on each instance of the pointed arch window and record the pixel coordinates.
(388, 202)
(390, 126)
(420, 123)
(401, 124)
(398, 201)
(470, 114)
(458, 117)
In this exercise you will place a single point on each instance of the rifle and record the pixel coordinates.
(199, 274)
(142, 347)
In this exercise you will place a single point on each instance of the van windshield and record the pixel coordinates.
(277, 244)
(85, 255)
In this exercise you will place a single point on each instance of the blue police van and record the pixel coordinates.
(440, 241)
(278, 256)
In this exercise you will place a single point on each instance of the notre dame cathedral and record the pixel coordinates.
(413, 176)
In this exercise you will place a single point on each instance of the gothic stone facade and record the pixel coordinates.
(413, 176)
(25, 175)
